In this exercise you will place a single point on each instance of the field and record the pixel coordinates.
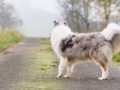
(8, 38)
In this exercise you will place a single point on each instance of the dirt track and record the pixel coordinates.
(84, 76)
(12, 60)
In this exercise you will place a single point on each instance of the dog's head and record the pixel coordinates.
(56, 23)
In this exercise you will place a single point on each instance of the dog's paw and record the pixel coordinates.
(59, 76)
(101, 78)
(66, 76)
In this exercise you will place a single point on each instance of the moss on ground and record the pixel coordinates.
(41, 73)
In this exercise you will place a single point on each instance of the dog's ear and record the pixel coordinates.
(65, 23)
(56, 23)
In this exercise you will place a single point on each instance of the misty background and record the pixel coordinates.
(37, 16)
(34, 18)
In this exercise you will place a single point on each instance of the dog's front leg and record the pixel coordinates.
(62, 65)
(69, 70)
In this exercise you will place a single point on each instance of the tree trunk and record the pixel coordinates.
(88, 28)
(78, 28)
(107, 17)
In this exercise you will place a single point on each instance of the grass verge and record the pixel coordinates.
(41, 72)
(116, 57)
(9, 37)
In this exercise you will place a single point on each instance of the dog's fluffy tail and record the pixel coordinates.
(112, 34)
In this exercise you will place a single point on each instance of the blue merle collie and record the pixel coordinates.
(74, 47)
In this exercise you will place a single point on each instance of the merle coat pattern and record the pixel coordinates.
(74, 47)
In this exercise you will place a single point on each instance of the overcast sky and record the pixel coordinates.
(37, 16)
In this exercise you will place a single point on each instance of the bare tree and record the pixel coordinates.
(7, 15)
(69, 14)
(86, 9)
(104, 8)
(76, 12)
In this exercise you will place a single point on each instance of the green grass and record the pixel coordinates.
(116, 57)
(49, 48)
(44, 41)
(41, 75)
(9, 37)
(46, 45)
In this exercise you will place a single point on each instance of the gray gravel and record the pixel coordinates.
(12, 60)
(85, 74)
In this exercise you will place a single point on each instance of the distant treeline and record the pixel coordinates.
(8, 16)
(89, 15)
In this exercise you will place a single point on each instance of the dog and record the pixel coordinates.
(74, 47)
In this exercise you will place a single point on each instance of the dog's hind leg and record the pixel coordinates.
(104, 69)
(69, 70)
(62, 65)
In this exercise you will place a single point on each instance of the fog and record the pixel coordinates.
(37, 16)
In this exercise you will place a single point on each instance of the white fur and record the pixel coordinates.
(104, 74)
(57, 34)
(69, 70)
(110, 31)
(62, 65)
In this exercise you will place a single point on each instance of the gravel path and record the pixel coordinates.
(85, 74)
(11, 61)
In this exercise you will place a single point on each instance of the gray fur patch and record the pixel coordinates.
(84, 46)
